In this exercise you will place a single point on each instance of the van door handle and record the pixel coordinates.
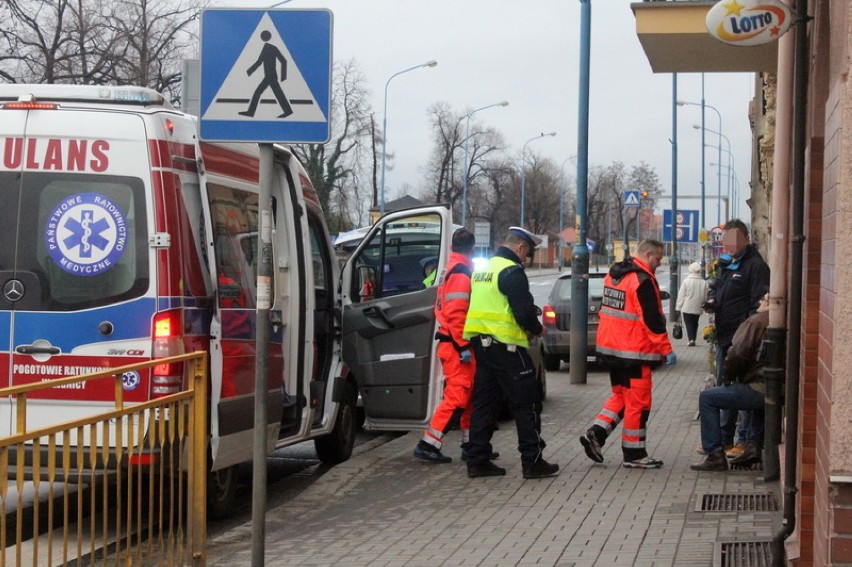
(375, 312)
(29, 349)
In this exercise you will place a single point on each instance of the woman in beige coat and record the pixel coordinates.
(690, 297)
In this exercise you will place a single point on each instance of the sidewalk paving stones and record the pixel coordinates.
(384, 507)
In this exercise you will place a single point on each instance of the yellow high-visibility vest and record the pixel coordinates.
(489, 312)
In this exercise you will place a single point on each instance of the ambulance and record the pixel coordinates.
(126, 239)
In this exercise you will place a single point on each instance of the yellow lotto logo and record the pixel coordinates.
(748, 22)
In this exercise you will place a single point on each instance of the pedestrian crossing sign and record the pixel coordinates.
(265, 75)
(631, 198)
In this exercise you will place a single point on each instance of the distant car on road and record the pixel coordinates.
(556, 316)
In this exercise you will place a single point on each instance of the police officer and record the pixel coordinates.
(500, 320)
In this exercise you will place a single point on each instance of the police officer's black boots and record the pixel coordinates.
(540, 469)
(484, 468)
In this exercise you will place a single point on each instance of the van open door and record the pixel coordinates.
(389, 320)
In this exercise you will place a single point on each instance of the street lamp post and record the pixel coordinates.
(719, 176)
(523, 171)
(431, 63)
(466, 164)
(730, 154)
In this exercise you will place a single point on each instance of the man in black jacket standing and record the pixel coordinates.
(742, 281)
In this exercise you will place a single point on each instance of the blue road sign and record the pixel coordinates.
(265, 75)
(687, 226)
(631, 198)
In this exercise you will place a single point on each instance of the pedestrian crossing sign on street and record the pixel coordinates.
(631, 198)
(265, 75)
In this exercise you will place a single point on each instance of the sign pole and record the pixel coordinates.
(264, 304)
(674, 269)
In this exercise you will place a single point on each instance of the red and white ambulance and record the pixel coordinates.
(125, 239)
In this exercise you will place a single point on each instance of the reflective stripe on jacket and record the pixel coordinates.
(453, 299)
(489, 312)
(622, 332)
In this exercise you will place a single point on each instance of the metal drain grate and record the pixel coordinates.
(743, 554)
(757, 502)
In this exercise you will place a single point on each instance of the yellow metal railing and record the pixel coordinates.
(124, 487)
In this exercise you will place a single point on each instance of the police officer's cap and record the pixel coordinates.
(531, 238)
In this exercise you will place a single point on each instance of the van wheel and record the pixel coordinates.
(336, 447)
(222, 492)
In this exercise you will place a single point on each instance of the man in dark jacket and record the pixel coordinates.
(743, 389)
(742, 280)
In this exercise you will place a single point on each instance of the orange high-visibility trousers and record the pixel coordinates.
(457, 395)
(630, 402)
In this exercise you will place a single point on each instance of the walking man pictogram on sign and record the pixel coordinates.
(269, 56)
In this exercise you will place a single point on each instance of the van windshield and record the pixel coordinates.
(75, 241)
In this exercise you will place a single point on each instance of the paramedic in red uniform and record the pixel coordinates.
(454, 351)
(631, 341)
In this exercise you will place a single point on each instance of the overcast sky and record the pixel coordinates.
(528, 54)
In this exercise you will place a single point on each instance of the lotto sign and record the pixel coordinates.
(748, 22)
(687, 226)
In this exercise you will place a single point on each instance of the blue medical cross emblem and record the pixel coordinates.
(86, 233)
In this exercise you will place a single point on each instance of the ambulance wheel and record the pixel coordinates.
(222, 492)
(336, 447)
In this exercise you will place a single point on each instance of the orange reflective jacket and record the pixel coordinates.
(624, 334)
(453, 298)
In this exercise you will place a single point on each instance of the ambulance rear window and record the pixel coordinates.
(82, 237)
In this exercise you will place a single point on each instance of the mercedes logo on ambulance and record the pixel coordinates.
(13, 290)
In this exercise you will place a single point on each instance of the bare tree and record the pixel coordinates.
(139, 42)
(158, 35)
(541, 210)
(445, 163)
(338, 166)
(609, 217)
(496, 199)
(447, 167)
(34, 46)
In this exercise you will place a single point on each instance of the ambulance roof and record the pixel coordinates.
(127, 95)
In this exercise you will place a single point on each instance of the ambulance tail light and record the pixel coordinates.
(168, 341)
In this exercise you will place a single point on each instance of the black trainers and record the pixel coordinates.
(540, 469)
(427, 452)
(486, 468)
(644, 463)
(592, 447)
(465, 456)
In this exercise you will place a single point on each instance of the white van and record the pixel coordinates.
(126, 239)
